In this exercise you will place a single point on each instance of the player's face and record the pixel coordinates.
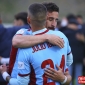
(52, 18)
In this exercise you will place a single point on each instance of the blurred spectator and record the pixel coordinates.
(76, 45)
(6, 35)
(20, 19)
(80, 21)
(81, 36)
(70, 18)
(64, 22)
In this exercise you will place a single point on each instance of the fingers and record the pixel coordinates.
(4, 65)
(60, 42)
(49, 72)
(58, 67)
(56, 40)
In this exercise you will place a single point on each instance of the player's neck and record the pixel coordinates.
(35, 28)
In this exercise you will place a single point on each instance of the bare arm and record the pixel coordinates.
(23, 41)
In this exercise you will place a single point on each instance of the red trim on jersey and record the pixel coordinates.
(12, 58)
(32, 76)
(66, 70)
(42, 32)
(23, 75)
(68, 53)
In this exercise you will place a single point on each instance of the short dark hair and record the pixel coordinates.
(51, 7)
(38, 13)
(79, 16)
(70, 16)
(72, 19)
(22, 16)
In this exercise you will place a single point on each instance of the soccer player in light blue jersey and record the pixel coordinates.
(36, 59)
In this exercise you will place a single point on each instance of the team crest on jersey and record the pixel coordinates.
(21, 65)
(20, 31)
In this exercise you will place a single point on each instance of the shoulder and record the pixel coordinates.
(61, 35)
(23, 31)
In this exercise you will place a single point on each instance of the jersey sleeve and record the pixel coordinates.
(68, 48)
(23, 31)
(69, 55)
(23, 63)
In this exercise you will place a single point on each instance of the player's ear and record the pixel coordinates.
(28, 20)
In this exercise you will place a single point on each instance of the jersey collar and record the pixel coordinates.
(39, 32)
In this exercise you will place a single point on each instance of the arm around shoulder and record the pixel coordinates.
(23, 41)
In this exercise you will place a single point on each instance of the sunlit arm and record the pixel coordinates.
(23, 41)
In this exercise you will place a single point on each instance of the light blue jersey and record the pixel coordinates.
(22, 31)
(34, 60)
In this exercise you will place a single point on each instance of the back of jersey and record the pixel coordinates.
(46, 55)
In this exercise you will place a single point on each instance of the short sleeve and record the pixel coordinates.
(69, 55)
(68, 48)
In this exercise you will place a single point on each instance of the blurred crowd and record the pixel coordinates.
(72, 26)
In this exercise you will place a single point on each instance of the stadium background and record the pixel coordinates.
(8, 8)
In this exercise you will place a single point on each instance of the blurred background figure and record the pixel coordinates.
(20, 19)
(71, 30)
(81, 36)
(6, 34)
(80, 21)
(64, 22)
